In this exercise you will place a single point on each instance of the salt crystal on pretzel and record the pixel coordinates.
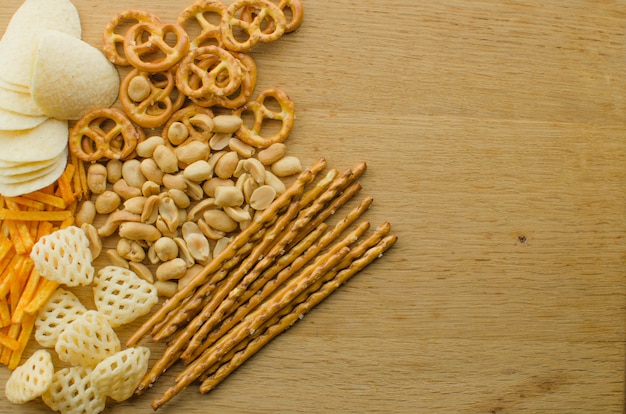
(117, 376)
(72, 391)
(31, 379)
(61, 309)
(88, 340)
(64, 256)
(121, 296)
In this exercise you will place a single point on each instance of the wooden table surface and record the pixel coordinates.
(494, 137)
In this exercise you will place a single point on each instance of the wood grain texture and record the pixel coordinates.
(494, 137)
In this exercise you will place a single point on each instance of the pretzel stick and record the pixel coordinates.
(296, 314)
(293, 191)
(251, 323)
(356, 252)
(264, 286)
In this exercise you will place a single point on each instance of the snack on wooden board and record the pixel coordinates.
(72, 391)
(117, 376)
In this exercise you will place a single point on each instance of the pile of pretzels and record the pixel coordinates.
(170, 70)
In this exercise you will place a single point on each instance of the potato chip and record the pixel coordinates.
(35, 183)
(64, 256)
(122, 296)
(12, 168)
(17, 47)
(13, 121)
(72, 391)
(61, 309)
(43, 142)
(88, 340)
(117, 376)
(20, 102)
(31, 379)
(14, 177)
(70, 91)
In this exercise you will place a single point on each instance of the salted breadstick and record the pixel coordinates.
(252, 322)
(300, 310)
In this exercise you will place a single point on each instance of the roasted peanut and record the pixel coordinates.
(183, 252)
(146, 147)
(172, 269)
(166, 288)
(237, 213)
(209, 231)
(171, 181)
(86, 213)
(255, 169)
(195, 212)
(275, 182)
(189, 274)
(210, 185)
(228, 196)
(273, 153)
(202, 123)
(194, 190)
(262, 197)
(150, 188)
(151, 171)
(130, 250)
(226, 165)
(97, 178)
(197, 243)
(198, 171)
(125, 191)
(165, 249)
(192, 151)
(219, 141)
(286, 166)
(169, 214)
(116, 259)
(244, 150)
(95, 243)
(139, 231)
(219, 220)
(107, 202)
(227, 123)
(220, 245)
(181, 199)
(139, 88)
(114, 170)
(166, 159)
(142, 271)
(131, 172)
(114, 220)
(177, 133)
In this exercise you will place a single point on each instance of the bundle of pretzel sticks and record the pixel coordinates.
(286, 262)
(24, 220)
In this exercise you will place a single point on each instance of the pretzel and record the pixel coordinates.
(144, 39)
(261, 113)
(198, 11)
(295, 8)
(208, 64)
(185, 115)
(242, 95)
(157, 106)
(113, 43)
(268, 15)
(89, 141)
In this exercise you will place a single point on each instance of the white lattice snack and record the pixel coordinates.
(64, 256)
(31, 379)
(121, 295)
(72, 391)
(118, 375)
(88, 340)
(61, 309)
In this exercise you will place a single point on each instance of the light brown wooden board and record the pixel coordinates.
(494, 136)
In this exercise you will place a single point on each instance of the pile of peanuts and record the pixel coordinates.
(180, 200)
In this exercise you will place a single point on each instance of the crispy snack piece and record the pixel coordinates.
(63, 308)
(233, 21)
(218, 72)
(72, 391)
(186, 116)
(117, 376)
(113, 42)
(160, 98)
(199, 11)
(31, 379)
(145, 38)
(92, 138)
(64, 256)
(262, 113)
(122, 296)
(88, 340)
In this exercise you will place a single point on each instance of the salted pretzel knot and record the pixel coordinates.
(93, 137)
(149, 99)
(267, 15)
(198, 11)
(192, 117)
(261, 113)
(209, 64)
(144, 39)
(242, 95)
(113, 42)
(293, 22)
